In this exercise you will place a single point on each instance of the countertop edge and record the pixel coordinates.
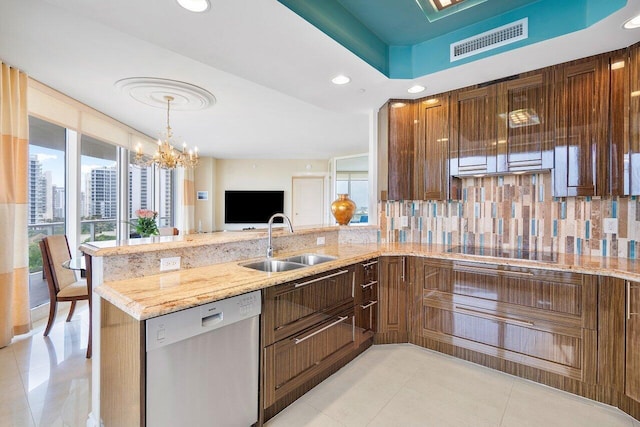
(255, 280)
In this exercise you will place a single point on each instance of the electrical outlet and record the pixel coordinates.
(610, 225)
(404, 221)
(172, 263)
(320, 241)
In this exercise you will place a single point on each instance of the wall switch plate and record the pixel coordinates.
(320, 241)
(610, 225)
(172, 263)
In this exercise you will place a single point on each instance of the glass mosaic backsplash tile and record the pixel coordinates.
(518, 212)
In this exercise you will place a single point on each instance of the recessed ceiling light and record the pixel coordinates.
(341, 79)
(194, 5)
(632, 23)
(416, 89)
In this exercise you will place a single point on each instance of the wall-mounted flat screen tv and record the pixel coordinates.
(252, 207)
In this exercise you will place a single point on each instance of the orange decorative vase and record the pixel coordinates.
(343, 209)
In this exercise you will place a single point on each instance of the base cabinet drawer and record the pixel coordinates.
(292, 307)
(540, 319)
(291, 362)
(554, 348)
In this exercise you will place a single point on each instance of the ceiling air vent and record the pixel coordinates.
(510, 33)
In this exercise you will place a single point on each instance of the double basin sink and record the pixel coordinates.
(286, 264)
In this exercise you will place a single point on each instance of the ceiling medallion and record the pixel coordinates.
(153, 91)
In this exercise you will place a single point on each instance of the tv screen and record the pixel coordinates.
(252, 207)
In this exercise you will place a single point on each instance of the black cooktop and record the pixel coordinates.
(505, 253)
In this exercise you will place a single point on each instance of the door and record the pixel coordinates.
(307, 199)
(582, 107)
(392, 312)
(473, 131)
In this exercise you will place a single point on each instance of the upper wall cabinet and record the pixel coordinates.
(525, 123)
(582, 107)
(473, 131)
(633, 97)
(431, 177)
(396, 134)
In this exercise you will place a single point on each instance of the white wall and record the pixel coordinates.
(204, 180)
(260, 175)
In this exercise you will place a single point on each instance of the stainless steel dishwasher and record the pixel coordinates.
(202, 365)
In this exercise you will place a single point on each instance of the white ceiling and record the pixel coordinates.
(269, 69)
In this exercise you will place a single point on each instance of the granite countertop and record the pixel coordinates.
(155, 295)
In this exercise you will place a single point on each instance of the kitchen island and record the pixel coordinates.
(143, 294)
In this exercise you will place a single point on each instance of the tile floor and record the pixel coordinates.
(45, 381)
(404, 385)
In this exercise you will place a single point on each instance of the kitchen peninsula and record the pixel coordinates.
(569, 323)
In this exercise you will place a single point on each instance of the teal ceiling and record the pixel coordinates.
(397, 38)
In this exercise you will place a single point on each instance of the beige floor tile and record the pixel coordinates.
(460, 394)
(356, 393)
(301, 414)
(15, 411)
(535, 405)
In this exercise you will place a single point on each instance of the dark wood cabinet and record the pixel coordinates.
(632, 355)
(536, 318)
(366, 300)
(473, 131)
(525, 129)
(310, 328)
(397, 123)
(292, 362)
(634, 119)
(582, 111)
(393, 290)
(431, 171)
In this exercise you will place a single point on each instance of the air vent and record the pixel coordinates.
(501, 36)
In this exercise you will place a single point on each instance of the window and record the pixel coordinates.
(165, 199)
(352, 178)
(99, 190)
(46, 199)
(140, 187)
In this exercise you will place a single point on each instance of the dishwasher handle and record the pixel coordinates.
(213, 319)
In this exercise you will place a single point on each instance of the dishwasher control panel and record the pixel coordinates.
(173, 327)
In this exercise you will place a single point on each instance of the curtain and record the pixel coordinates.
(14, 159)
(186, 193)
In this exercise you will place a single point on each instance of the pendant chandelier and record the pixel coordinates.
(166, 156)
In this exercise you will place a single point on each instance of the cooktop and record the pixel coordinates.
(505, 253)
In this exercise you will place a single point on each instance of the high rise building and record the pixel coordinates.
(37, 205)
(58, 194)
(139, 189)
(103, 193)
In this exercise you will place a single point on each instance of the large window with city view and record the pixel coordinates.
(352, 178)
(98, 191)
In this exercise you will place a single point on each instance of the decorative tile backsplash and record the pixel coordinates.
(518, 212)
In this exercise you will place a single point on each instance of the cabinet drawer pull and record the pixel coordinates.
(368, 305)
(629, 313)
(492, 270)
(368, 264)
(492, 316)
(371, 283)
(330, 325)
(297, 285)
(404, 267)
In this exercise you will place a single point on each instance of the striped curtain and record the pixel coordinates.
(14, 253)
(186, 193)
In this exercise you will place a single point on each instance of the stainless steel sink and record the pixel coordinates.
(273, 265)
(310, 259)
